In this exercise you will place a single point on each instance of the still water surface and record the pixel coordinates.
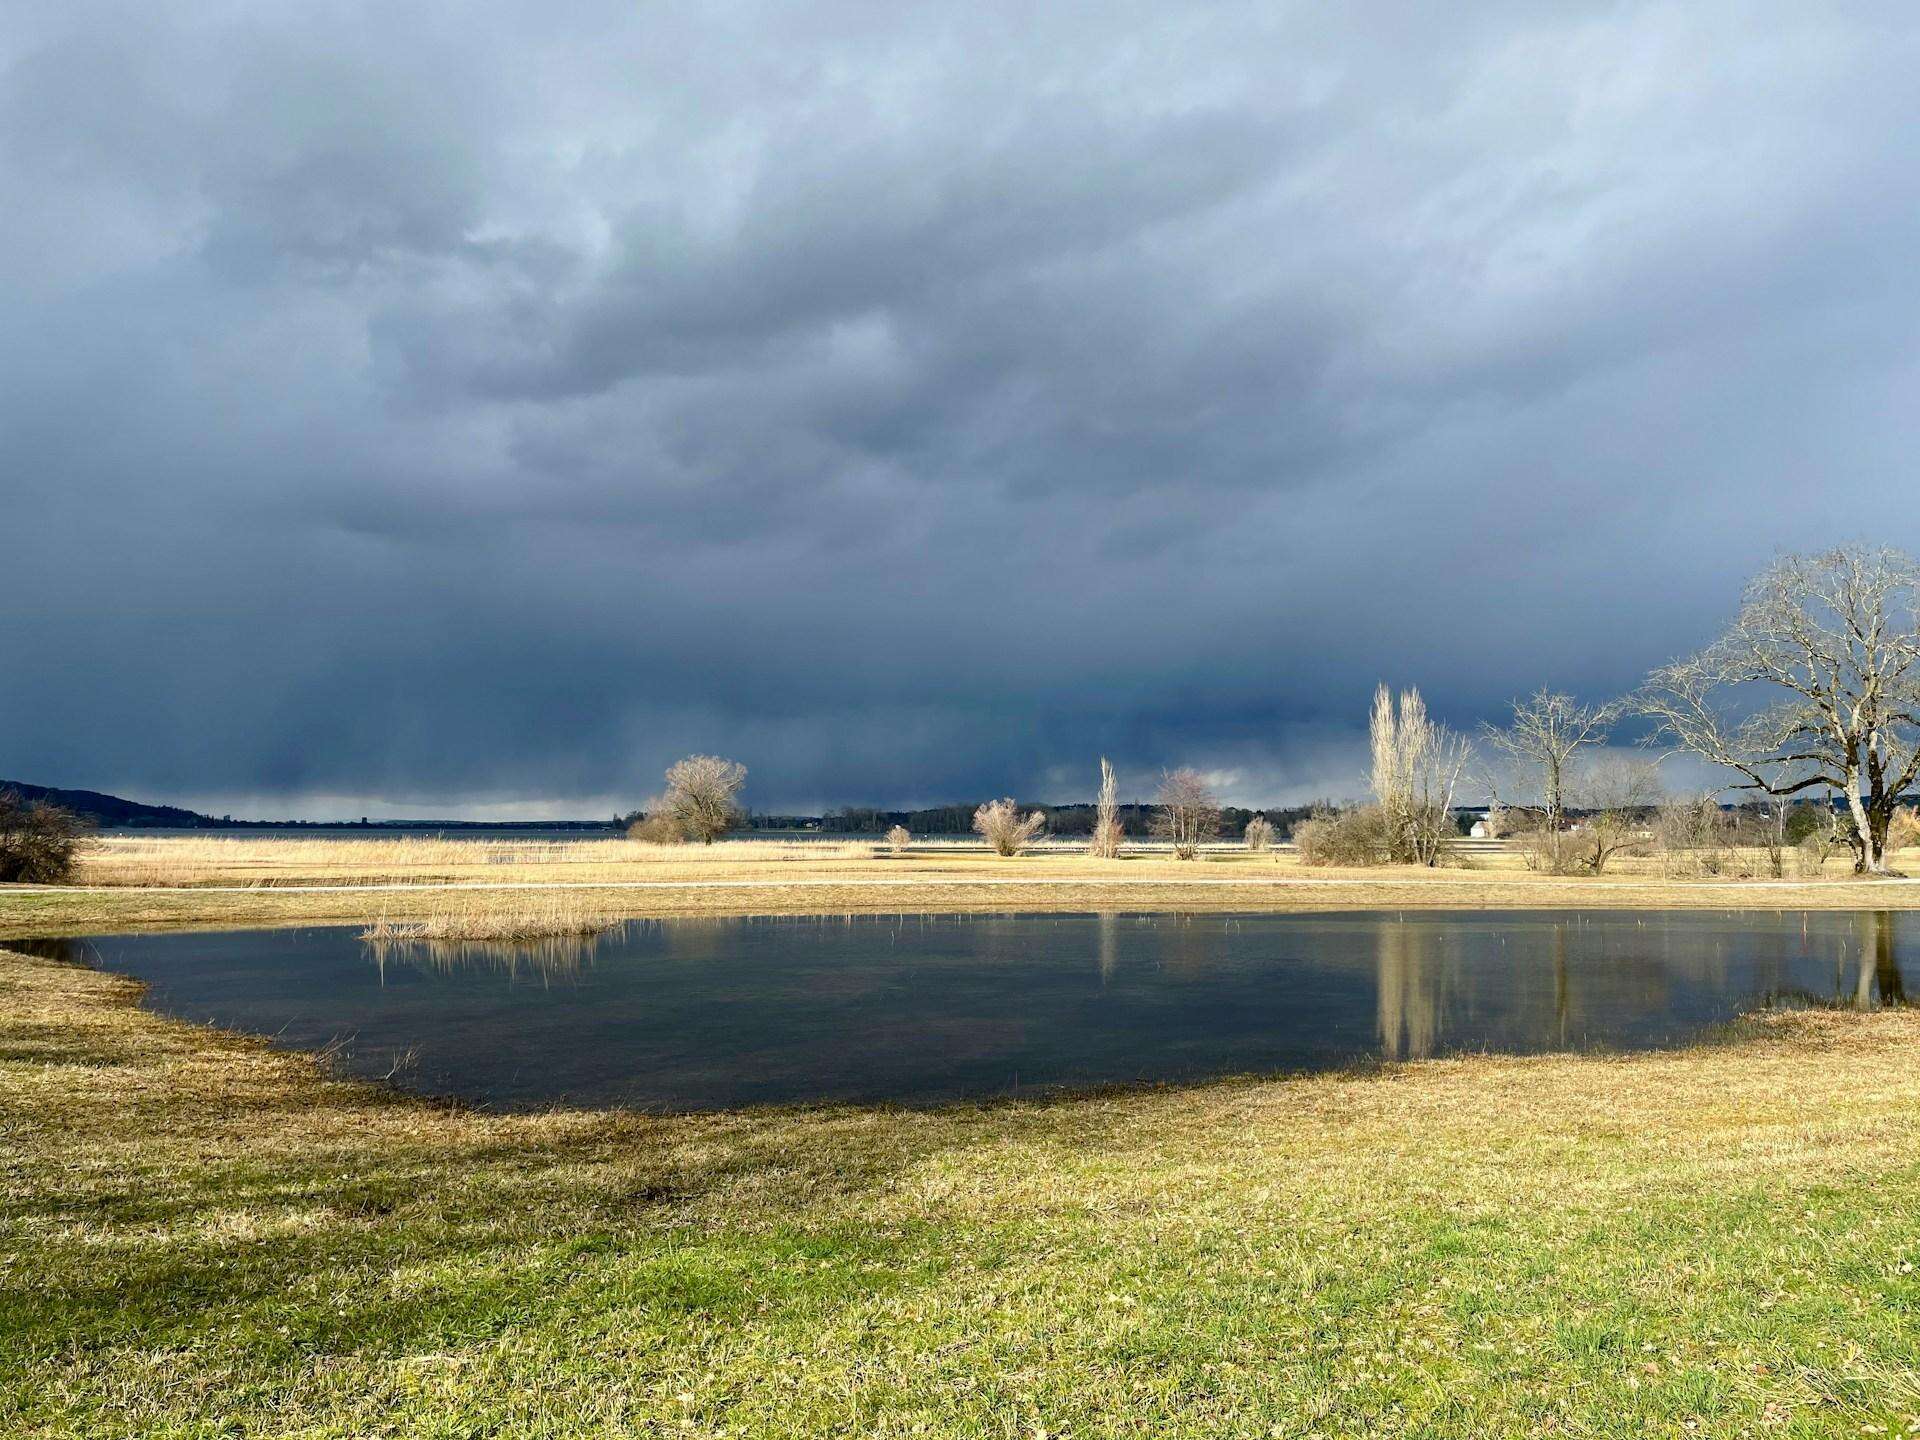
(704, 1013)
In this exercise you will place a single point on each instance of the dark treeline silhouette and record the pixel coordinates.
(1067, 820)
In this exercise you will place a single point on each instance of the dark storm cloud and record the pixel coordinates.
(444, 406)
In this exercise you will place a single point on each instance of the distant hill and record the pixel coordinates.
(111, 812)
(111, 809)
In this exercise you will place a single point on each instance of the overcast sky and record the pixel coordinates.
(469, 408)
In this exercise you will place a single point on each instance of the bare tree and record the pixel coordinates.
(1259, 834)
(1187, 813)
(1417, 767)
(898, 838)
(1107, 831)
(1619, 795)
(700, 796)
(1001, 825)
(1816, 683)
(39, 842)
(1541, 742)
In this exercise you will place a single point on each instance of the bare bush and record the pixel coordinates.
(898, 838)
(1107, 830)
(700, 796)
(656, 826)
(1762, 828)
(1691, 834)
(1810, 856)
(1903, 830)
(1765, 830)
(1259, 834)
(1001, 825)
(39, 843)
(1354, 836)
(1187, 813)
(1547, 851)
(1417, 765)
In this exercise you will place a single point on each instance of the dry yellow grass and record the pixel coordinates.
(545, 915)
(175, 881)
(275, 860)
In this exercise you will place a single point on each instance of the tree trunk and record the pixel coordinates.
(1869, 847)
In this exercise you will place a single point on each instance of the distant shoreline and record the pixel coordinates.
(361, 827)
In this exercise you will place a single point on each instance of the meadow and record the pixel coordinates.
(202, 1236)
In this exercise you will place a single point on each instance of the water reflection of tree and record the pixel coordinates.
(547, 959)
(1879, 978)
(1407, 986)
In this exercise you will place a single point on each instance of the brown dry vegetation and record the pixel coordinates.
(540, 915)
(167, 881)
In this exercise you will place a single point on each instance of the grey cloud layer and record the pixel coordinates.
(490, 405)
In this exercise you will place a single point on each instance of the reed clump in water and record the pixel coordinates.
(545, 919)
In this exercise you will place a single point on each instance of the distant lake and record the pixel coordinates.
(693, 1014)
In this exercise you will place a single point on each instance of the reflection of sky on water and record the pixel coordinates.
(702, 1012)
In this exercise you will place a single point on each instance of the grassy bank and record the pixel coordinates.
(200, 1236)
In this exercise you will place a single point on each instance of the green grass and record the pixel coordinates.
(199, 1236)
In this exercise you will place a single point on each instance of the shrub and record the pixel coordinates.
(39, 843)
(1548, 851)
(1810, 855)
(1001, 825)
(1691, 833)
(898, 838)
(1903, 830)
(1259, 833)
(1804, 820)
(656, 826)
(1356, 836)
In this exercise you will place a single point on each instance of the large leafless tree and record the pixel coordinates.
(700, 796)
(1816, 684)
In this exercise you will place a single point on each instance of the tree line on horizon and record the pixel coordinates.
(1810, 698)
(1813, 690)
